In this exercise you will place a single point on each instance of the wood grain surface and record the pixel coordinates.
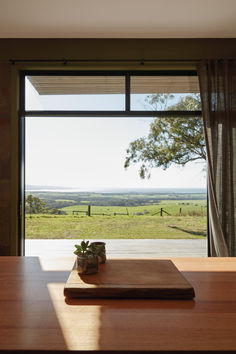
(36, 316)
(131, 278)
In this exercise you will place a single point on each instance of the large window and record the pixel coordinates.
(94, 98)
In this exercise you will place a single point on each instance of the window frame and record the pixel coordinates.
(23, 113)
(127, 112)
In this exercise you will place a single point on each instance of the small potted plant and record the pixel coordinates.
(87, 258)
(101, 250)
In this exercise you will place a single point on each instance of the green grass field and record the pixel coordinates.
(140, 223)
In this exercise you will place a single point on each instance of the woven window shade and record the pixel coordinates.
(84, 85)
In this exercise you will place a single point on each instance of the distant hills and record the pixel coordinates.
(31, 187)
(35, 188)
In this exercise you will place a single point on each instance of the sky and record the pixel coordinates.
(89, 153)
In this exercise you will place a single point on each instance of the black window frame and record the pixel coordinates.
(127, 112)
(23, 113)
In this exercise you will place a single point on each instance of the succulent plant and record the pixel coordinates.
(85, 249)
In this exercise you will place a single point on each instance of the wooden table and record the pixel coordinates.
(35, 316)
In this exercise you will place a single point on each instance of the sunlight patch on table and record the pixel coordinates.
(52, 264)
(79, 323)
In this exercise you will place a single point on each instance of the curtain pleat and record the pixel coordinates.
(217, 79)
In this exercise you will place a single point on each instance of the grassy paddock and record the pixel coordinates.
(43, 226)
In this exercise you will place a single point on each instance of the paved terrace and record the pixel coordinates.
(132, 248)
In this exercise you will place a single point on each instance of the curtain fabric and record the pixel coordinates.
(217, 80)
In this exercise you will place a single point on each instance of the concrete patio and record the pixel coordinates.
(141, 248)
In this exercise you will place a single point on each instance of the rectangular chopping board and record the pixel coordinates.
(131, 278)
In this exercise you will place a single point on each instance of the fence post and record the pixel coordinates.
(180, 211)
(161, 212)
(89, 210)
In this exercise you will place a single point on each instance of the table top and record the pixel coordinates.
(36, 316)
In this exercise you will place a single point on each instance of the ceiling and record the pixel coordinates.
(117, 18)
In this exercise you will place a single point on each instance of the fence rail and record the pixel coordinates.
(160, 212)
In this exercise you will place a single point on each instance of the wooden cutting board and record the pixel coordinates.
(131, 278)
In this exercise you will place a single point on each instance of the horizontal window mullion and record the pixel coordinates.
(112, 113)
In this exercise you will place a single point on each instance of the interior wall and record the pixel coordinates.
(117, 48)
(82, 49)
(5, 158)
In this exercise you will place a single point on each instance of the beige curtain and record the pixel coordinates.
(218, 94)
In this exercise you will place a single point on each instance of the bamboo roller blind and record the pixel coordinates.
(75, 85)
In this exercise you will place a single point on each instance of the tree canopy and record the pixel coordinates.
(170, 140)
(34, 205)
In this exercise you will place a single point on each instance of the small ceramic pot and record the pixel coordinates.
(87, 264)
(101, 251)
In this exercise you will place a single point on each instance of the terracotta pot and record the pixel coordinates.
(101, 251)
(87, 264)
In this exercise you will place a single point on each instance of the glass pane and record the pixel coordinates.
(160, 93)
(90, 93)
(75, 165)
